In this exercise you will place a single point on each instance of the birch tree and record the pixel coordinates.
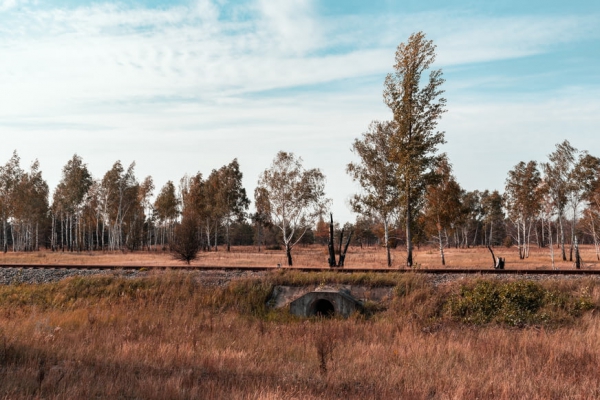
(582, 180)
(523, 198)
(166, 208)
(556, 179)
(417, 109)
(296, 198)
(120, 199)
(231, 197)
(262, 216)
(376, 174)
(197, 199)
(10, 176)
(30, 210)
(68, 201)
(493, 214)
(443, 205)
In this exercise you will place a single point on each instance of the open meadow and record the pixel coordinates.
(170, 334)
(312, 256)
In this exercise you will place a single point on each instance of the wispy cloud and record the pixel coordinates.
(6, 5)
(110, 52)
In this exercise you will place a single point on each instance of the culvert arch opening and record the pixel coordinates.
(323, 308)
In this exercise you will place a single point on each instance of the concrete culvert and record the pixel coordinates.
(326, 303)
(322, 308)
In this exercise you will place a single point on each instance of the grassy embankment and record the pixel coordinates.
(167, 336)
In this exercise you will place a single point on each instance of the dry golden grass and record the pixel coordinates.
(168, 337)
(311, 256)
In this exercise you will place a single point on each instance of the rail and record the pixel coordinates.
(483, 271)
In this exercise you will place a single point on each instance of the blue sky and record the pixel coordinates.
(186, 86)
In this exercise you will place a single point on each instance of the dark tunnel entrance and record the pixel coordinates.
(323, 308)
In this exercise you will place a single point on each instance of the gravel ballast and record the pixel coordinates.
(19, 275)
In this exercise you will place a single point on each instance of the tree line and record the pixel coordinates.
(408, 195)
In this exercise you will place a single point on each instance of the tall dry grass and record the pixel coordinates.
(312, 256)
(169, 337)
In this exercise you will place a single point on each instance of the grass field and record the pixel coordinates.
(167, 336)
(312, 256)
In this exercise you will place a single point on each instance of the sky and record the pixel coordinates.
(187, 86)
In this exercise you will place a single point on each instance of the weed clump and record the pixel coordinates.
(297, 278)
(248, 297)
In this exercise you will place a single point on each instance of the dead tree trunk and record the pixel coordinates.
(498, 263)
(330, 244)
(343, 253)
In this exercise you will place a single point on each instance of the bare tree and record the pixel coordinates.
(296, 198)
(417, 109)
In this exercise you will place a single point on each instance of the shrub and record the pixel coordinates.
(515, 303)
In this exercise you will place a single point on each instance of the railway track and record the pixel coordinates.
(483, 271)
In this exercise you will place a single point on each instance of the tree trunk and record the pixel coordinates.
(5, 235)
(216, 236)
(386, 236)
(528, 241)
(52, 243)
(543, 234)
(519, 240)
(228, 238)
(288, 253)
(343, 253)
(562, 238)
(573, 238)
(409, 246)
(474, 243)
(595, 238)
(441, 245)
(551, 244)
(577, 258)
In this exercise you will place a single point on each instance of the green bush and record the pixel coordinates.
(515, 303)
